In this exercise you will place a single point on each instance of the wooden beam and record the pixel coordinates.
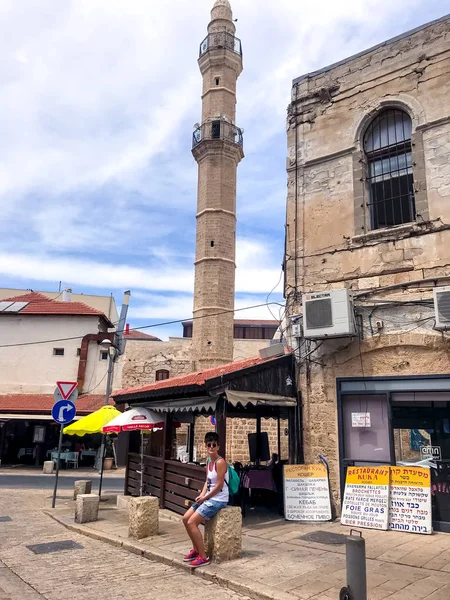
(167, 452)
(221, 424)
(191, 441)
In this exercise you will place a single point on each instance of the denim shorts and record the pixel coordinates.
(209, 508)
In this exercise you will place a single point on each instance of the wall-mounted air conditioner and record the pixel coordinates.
(328, 314)
(441, 296)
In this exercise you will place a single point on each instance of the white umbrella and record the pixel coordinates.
(136, 419)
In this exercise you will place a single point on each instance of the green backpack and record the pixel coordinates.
(233, 482)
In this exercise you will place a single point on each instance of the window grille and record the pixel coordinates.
(387, 144)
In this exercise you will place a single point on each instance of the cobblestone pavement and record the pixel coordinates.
(98, 571)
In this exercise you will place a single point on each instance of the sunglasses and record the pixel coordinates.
(211, 445)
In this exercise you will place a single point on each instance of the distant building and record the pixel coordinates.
(43, 341)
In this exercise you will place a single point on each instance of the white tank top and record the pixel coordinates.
(223, 495)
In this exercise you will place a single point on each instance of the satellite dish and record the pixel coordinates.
(196, 125)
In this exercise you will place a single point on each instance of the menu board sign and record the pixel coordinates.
(306, 493)
(410, 506)
(366, 497)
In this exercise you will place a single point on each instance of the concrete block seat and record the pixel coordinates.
(223, 534)
(143, 517)
(86, 508)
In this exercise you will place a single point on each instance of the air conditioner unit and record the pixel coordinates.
(441, 296)
(328, 314)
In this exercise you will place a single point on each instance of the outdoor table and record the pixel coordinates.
(26, 452)
(64, 456)
(261, 479)
(88, 453)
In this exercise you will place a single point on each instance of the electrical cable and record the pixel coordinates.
(175, 322)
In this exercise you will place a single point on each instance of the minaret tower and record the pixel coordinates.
(217, 148)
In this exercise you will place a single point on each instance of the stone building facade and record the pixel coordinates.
(368, 209)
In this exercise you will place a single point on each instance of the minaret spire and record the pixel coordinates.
(217, 148)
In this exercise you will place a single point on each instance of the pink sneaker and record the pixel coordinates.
(200, 562)
(193, 554)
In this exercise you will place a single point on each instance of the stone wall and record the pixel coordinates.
(330, 243)
(237, 437)
(328, 227)
(420, 352)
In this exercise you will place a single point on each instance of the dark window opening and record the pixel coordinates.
(215, 130)
(78, 351)
(387, 144)
(58, 351)
(104, 355)
(217, 80)
(212, 243)
(162, 374)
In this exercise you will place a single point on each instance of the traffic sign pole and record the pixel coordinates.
(63, 412)
(57, 465)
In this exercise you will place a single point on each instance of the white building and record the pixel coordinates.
(42, 341)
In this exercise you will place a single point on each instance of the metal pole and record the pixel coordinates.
(103, 462)
(57, 465)
(142, 464)
(356, 566)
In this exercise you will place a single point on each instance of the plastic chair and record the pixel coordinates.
(72, 459)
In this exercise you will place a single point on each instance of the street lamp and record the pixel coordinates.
(112, 353)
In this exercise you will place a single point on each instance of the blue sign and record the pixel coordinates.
(212, 420)
(64, 412)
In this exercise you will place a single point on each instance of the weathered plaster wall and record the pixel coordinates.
(330, 244)
(415, 353)
(328, 223)
(143, 358)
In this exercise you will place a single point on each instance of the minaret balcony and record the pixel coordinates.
(218, 129)
(219, 40)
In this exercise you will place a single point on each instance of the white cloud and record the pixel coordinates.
(97, 183)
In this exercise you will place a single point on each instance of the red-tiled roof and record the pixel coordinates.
(139, 335)
(42, 305)
(256, 322)
(193, 378)
(42, 403)
(249, 322)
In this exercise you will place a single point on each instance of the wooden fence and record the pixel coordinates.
(182, 483)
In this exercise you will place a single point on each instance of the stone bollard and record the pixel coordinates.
(86, 508)
(83, 486)
(49, 467)
(143, 517)
(223, 534)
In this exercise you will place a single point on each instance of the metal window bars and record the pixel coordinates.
(217, 129)
(387, 144)
(221, 39)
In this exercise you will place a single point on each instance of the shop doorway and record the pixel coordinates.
(399, 421)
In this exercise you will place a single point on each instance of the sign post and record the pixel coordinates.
(63, 412)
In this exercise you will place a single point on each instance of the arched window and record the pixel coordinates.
(387, 144)
(162, 374)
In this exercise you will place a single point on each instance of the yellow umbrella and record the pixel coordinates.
(92, 423)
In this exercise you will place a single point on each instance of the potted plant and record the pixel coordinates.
(109, 454)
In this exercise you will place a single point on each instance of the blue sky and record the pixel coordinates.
(97, 103)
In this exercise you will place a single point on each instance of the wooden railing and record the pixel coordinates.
(183, 483)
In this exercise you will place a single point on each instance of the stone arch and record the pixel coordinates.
(401, 101)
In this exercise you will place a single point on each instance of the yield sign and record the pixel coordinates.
(66, 388)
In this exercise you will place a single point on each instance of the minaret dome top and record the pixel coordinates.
(222, 10)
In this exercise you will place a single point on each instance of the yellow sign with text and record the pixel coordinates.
(367, 475)
(410, 476)
(305, 472)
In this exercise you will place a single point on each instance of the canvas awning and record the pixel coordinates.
(236, 398)
(208, 403)
(200, 404)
